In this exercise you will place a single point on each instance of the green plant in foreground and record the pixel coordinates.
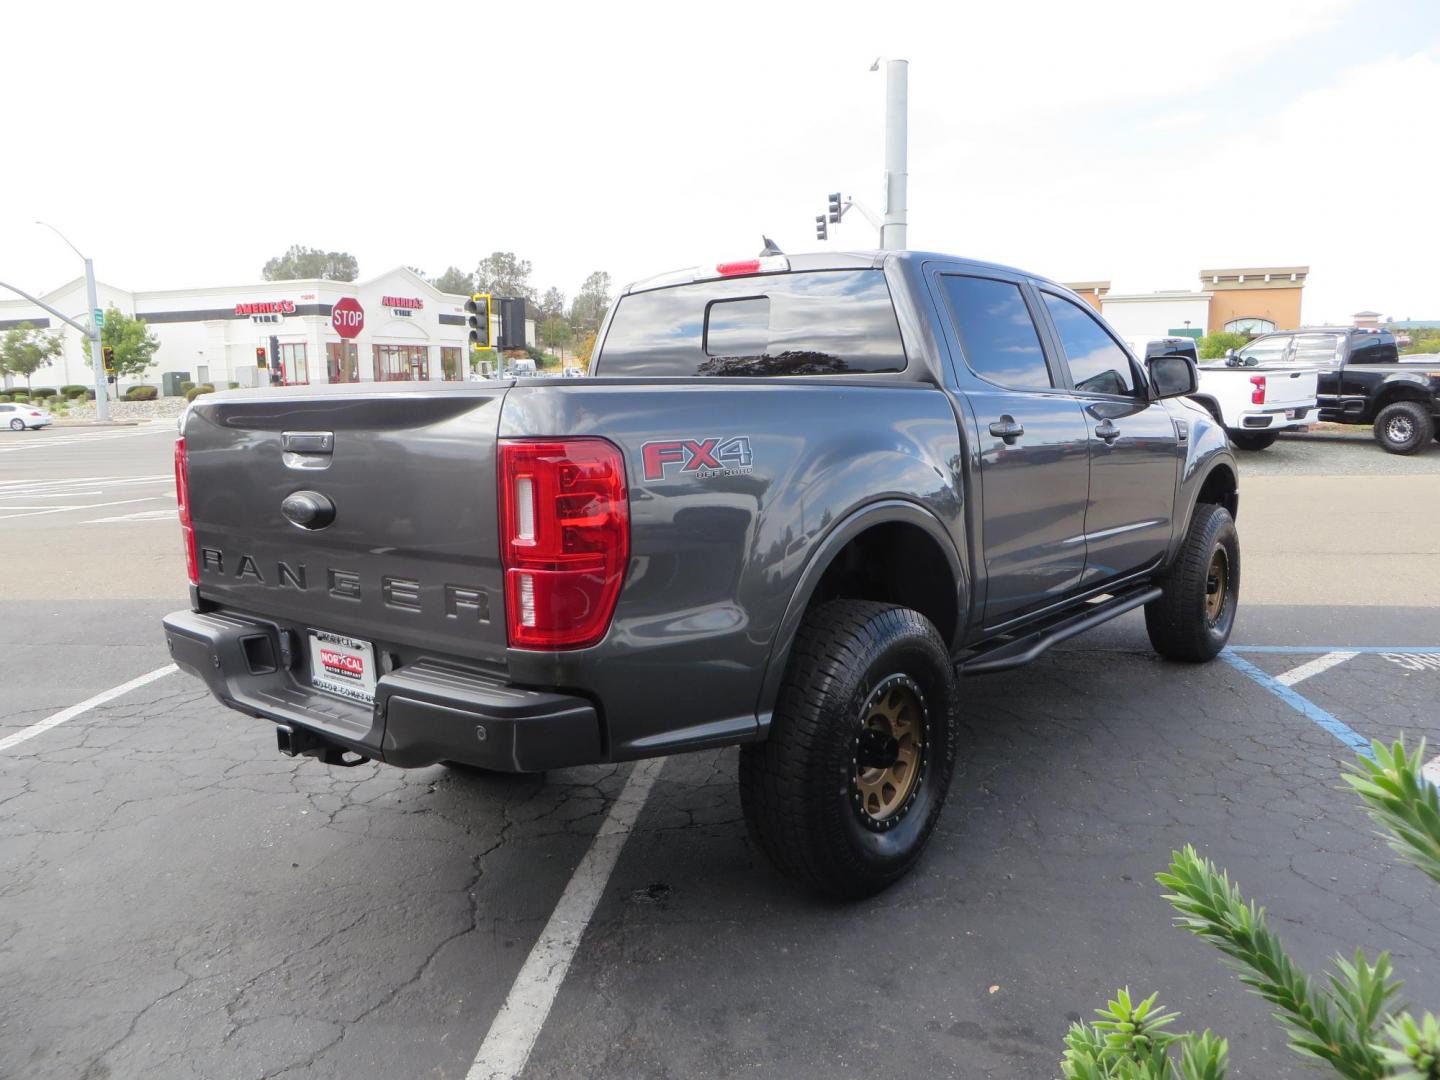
(1345, 1022)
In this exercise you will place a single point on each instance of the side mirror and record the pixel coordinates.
(1229, 354)
(1172, 376)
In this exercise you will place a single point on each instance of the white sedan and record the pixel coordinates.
(20, 417)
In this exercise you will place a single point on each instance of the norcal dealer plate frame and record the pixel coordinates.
(343, 666)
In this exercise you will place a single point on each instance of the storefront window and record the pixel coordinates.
(450, 365)
(342, 361)
(401, 363)
(293, 363)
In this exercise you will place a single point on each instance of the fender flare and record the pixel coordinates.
(885, 512)
(1211, 405)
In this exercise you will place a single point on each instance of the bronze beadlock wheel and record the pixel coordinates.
(1217, 586)
(889, 753)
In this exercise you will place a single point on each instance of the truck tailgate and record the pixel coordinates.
(1288, 386)
(411, 558)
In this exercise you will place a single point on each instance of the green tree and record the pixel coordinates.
(556, 332)
(454, 280)
(584, 346)
(1213, 346)
(502, 274)
(302, 262)
(1345, 1022)
(132, 341)
(25, 349)
(591, 302)
(552, 303)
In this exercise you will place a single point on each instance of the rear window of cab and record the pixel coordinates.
(823, 322)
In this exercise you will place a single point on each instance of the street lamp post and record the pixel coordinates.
(897, 107)
(97, 359)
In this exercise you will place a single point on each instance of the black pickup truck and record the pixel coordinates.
(797, 499)
(1362, 381)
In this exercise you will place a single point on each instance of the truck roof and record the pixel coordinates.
(830, 260)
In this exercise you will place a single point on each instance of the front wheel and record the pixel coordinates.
(1254, 440)
(1404, 427)
(844, 792)
(1195, 613)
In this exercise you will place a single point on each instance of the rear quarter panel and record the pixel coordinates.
(716, 558)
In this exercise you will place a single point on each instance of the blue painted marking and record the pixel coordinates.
(1303, 705)
(1306, 650)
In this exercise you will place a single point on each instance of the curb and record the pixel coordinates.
(97, 423)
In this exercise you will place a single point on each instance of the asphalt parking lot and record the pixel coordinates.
(181, 901)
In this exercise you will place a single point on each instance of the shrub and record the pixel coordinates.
(196, 391)
(1344, 1022)
(43, 392)
(74, 389)
(186, 386)
(20, 396)
(142, 393)
(1213, 346)
(234, 386)
(75, 393)
(5, 397)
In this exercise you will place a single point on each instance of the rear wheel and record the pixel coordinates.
(1404, 427)
(1193, 618)
(844, 793)
(17, 424)
(1254, 440)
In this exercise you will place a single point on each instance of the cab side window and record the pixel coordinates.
(1098, 365)
(996, 332)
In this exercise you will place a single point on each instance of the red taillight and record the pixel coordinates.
(742, 266)
(1257, 393)
(34, 413)
(564, 539)
(182, 496)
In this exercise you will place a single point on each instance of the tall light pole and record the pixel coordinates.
(97, 360)
(897, 107)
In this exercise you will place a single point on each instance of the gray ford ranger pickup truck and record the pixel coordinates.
(796, 502)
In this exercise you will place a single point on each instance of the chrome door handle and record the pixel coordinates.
(1006, 428)
(1107, 431)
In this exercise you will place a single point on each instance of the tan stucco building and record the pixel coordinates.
(1245, 299)
(1255, 298)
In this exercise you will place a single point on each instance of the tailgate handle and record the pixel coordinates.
(308, 442)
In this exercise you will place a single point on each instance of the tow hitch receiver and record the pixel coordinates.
(298, 742)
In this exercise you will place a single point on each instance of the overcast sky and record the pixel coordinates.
(1130, 141)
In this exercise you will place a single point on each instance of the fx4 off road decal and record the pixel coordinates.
(700, 458)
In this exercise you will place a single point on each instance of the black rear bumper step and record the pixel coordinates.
(1008, 652)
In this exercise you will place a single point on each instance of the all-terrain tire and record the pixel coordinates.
(816, 793)
(1254, 440)
(1404, 427)
(1187, 622)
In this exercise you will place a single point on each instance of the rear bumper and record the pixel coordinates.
(1274, 419)
(425, 712)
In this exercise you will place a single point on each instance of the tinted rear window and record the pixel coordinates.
(830, 322)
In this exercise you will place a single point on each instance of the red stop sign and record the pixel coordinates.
(347, 317)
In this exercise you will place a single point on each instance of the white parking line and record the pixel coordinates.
(42, 726)
(1431, 771)
(30, 441)
(35, 511)
(512, 1035)
(141, 515)
(1313, 667)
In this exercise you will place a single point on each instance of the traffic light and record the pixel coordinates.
(512, 324)
(108, 352)
(821, 233)
(479, 321)
(260, 359)
(835, 208)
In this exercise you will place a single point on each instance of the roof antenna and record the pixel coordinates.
(771, 248)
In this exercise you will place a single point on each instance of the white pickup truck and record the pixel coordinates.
(1253, 398)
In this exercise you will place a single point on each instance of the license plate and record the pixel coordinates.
(342, 666)
(1289, 414)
